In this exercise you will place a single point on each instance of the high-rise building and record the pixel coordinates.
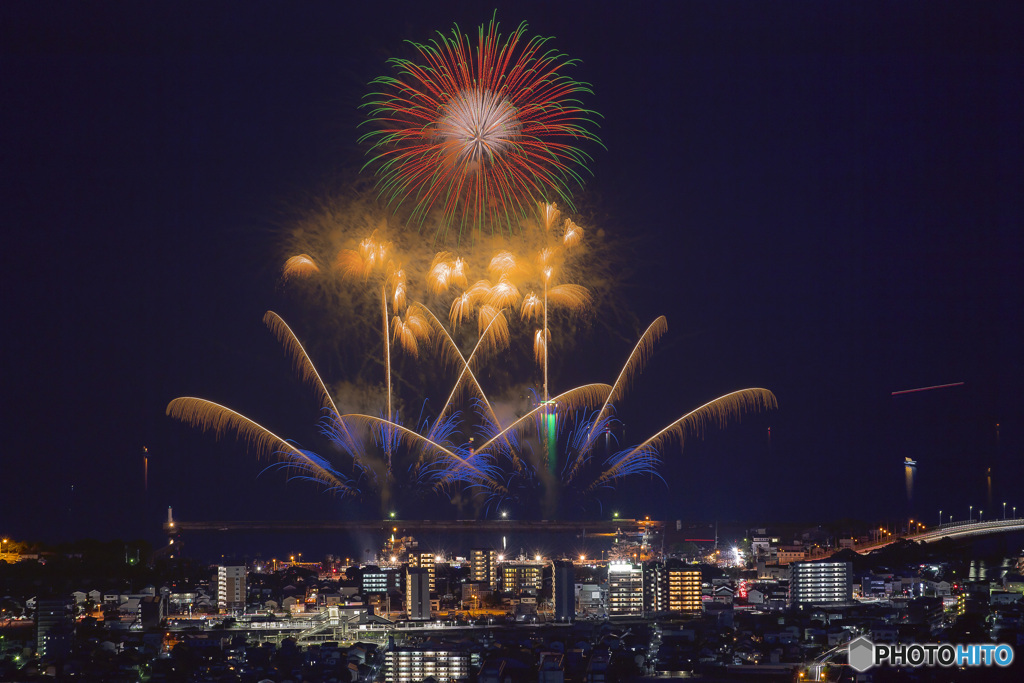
(483, 566)
(563, 585)
(230, 589)
(152, 610)
(55, 628)
(423, 560)
(522, 577)
(812, 583)
(625, 590)
(684, 594)
(655, 587)
(376, 581)
(417, 593)
(408, 664)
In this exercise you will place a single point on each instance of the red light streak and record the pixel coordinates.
(937, 386)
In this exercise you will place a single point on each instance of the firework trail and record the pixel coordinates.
(717, 412)
(210, 416)
(634, 364)
(479, 133)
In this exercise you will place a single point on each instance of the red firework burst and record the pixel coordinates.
(479, 135)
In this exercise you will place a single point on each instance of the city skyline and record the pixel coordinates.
(822, 201)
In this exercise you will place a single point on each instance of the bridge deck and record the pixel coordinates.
(422, 526)
(957, 530)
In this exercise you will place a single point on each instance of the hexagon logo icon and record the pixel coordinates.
(862, 653)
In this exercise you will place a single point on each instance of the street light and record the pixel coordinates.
(970, 510)
(940, 517)
(981, 513)
(1004, 511)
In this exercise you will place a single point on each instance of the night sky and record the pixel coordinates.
(825, 199)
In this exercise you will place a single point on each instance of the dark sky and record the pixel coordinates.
(825, 198)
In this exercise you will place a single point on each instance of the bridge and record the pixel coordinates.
(403, 526)
(964, 529)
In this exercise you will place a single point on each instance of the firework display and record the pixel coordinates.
(338, 261)
(477, 137)
(559, 448)
(478, 134)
